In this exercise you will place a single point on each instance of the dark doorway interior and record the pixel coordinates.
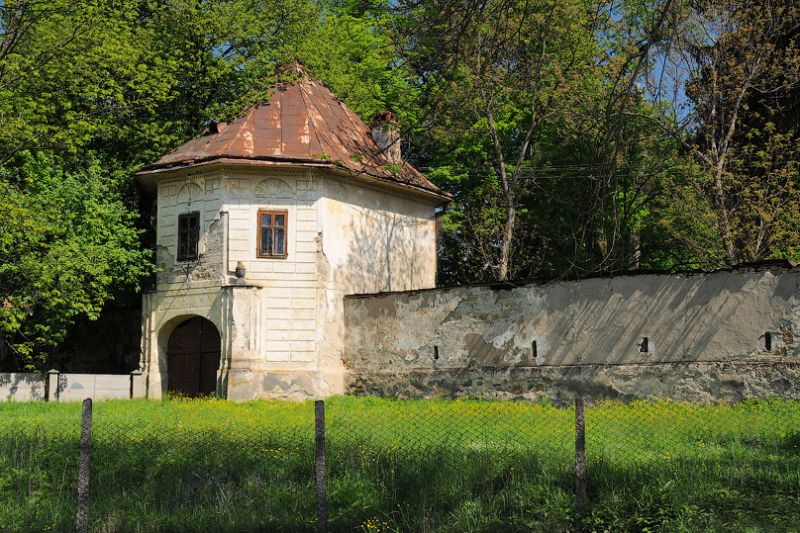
(193, 354)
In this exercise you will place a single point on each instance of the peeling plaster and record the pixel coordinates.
(588, 334)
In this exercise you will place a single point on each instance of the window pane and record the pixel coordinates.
(279, 241)
(279, 220)
(266, 241)
(188, 236)
(266, 220)
(194, 236)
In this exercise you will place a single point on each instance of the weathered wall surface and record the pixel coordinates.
(375, 240)
(22, 387)
(589, 336)
(229, 201)
(268, 321)
(371, 240)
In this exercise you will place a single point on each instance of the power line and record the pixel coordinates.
(556, 173)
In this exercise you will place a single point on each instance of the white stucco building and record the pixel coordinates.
(264, 223)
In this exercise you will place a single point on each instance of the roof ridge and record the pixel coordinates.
(247, 118)
(316, 132)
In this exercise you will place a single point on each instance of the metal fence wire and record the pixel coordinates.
(216, 473)
(393, 465)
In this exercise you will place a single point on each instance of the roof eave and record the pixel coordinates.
(149, 174)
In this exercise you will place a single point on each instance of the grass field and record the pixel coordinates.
(181, 465)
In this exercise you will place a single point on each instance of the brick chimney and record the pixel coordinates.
(215, 127)
(386, 134)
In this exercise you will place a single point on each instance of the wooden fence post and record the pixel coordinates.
(322, 501)
(580, 458)
(84, 466)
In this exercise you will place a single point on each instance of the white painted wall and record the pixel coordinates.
(288, 321)
(231, 201)
(22, 387)
(27, 387)
(375, 240)
(78, 387)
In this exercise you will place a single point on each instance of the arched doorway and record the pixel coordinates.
(193, 354)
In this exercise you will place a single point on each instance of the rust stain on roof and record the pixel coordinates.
(303, 122)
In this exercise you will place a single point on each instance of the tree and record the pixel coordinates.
(719, 80)
(90, 91)
(509, 68)
(67, 245)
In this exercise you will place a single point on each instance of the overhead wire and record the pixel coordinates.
(556, 172)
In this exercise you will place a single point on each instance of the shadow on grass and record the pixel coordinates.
(218, 480)
(724, 493)
(444, 489)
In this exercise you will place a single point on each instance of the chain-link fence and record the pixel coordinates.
(372, 464)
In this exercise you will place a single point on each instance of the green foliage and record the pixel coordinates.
(614, 178)
(590, 185)
(122, 83)
(67, 243)
(131, 80)
(355, 57)
(540, 117)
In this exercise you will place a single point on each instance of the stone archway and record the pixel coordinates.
(193, 358)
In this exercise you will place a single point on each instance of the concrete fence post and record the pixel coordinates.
(84, 467)
(51, 393)
(580, 458)
(138, 384)
(322, 500)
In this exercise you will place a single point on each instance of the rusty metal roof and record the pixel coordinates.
(303, 122)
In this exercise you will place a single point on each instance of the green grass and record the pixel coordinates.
(394, 465)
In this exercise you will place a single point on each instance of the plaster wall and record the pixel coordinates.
(187, 193)
(229, 202)
(57, 387)
(372, 240)
(375, 240)
(588, 336)
(22, 387)
(268, 321)
(77, 387)
(287, 317)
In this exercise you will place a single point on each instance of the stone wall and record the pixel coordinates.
(725, 335)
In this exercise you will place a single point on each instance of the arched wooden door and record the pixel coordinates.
(193, 354)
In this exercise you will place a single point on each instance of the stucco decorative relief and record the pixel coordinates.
(273, 188)
(190, 193)
(239, 189)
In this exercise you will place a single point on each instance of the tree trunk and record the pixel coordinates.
(508, 235)
(725, 223)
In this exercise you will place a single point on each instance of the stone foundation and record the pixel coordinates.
(695, 382)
